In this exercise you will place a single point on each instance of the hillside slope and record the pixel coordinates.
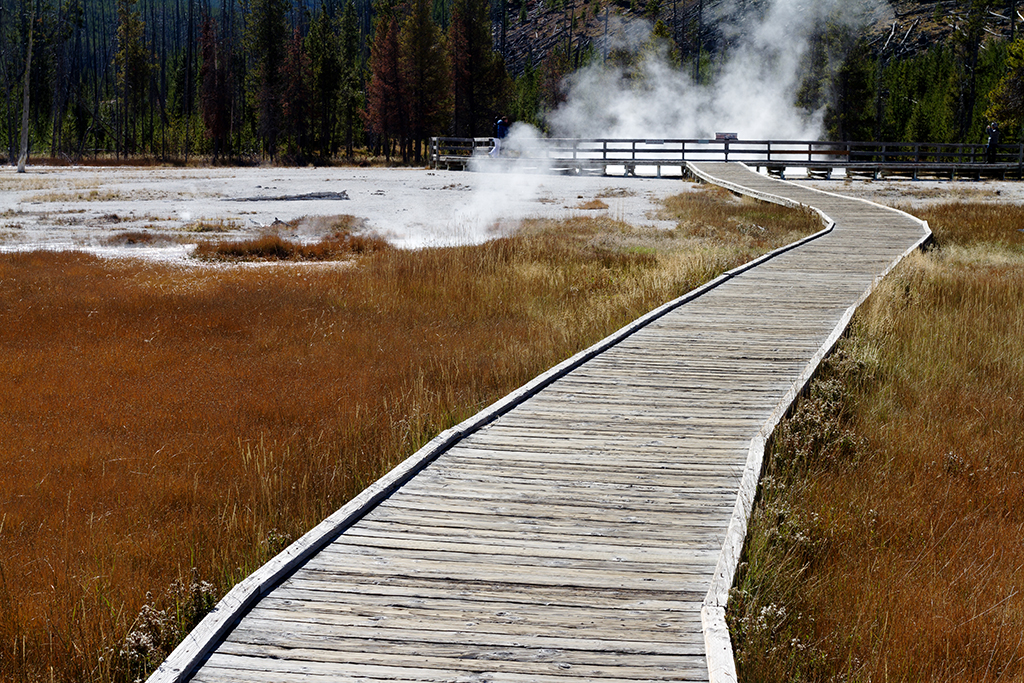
(536, 28)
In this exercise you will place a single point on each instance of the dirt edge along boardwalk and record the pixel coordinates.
(586, 526)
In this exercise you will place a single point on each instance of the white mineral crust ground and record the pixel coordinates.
(86, 208)
(82, 208)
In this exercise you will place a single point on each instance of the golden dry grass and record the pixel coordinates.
(165, 430)
(340, 244)
(887, 541)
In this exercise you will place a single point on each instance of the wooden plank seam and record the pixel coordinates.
(718, 644)
(205, 637)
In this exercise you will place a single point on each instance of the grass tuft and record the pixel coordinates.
(136, 237)
(342, 243)
(214, 225)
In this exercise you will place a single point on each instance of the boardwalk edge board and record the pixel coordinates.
(717, 641)
(201, 641)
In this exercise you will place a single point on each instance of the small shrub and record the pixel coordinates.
(134, 237)
(218, 225)
(340, 245)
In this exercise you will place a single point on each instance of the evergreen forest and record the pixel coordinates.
(318, 81)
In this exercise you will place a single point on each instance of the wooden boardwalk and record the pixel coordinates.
(816, 158)
(586, 527)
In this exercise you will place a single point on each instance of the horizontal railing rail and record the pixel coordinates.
(594, 153)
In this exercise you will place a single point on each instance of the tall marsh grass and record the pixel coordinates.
(165, 430)
(887, 540)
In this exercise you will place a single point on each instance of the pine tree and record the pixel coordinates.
(525, 105)
(1007, 99)
(423, 63)
(478, 74)
(133, 64)
(968, 40)
(851, 116)
(325, 77)
(386, 112)
(26, 91)
(295, 99)
(350, 87)
(265, 43)
(215, 89)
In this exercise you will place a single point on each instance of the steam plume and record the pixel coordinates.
(753, 94)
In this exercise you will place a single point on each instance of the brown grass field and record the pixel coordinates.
(164, 430)
(887, 543)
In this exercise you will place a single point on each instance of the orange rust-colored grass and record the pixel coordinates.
(340, 244)
(887, 541)
(165, 429)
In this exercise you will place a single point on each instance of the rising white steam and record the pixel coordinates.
(752, 95)
(504, 191)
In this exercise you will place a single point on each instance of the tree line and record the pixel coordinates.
(947, 92)
(307, 81)
(244, 79)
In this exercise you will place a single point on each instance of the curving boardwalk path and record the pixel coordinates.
(584, 528)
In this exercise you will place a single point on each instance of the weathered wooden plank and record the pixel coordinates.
(644, 666)
(597, 539)
(577, 474)
(500, 599)
(258, 630)
(574, 549)
(571, 492)
(662, 512)
(643, 452)
(594, 577)
(696, 443)
(441, 627)
(695, 530)
(397, 588)
(691, 565)
(263, 670)
(524, 618)
(534, 438)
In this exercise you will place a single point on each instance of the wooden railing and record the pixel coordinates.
(598, 154)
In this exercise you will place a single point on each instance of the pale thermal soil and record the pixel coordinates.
(93, 208)
(911, 194)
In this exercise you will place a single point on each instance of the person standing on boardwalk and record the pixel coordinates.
(500, 131)
(993, 141)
